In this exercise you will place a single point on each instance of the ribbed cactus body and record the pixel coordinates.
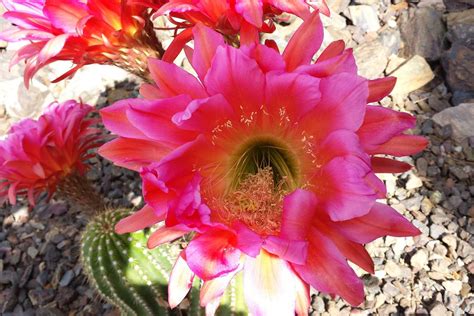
(124, 271)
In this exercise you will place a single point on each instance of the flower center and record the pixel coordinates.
(263, 172)
(262, 153)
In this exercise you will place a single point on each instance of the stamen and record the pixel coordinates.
(257, 202)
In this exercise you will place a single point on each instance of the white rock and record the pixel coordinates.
(371, 58)
(412, 75)
(365, 17)
(419, 259)
(413, 182)
(453, 286)
(337, 6)
(460, 117)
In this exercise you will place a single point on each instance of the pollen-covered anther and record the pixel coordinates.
(256, 202)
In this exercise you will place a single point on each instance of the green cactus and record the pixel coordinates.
(123, 270)
(134, 278)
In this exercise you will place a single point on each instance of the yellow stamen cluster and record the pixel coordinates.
(257, 202)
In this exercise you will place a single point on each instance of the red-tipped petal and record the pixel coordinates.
(139, 220)
(165, 234)
(402, 145)
(206, 42)
(333, 50)
(177, 45)
(305, 43)
(386, 165)
(380, 88)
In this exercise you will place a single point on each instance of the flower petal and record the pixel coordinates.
(386, 165)
(215, 288)
(173, 81)
(380, 88)
(305, 42)
(143, 218)
(181, 280)
(213, 254)
(251, 10)
(382, 220)
(269, 285)
(206, 42)
(299, 209)
(327, 270)
(165, 234)
(402, 145)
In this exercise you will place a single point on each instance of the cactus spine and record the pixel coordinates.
(123, 270)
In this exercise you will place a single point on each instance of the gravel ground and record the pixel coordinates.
(424, 41)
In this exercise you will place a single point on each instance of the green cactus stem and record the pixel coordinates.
(123, 270)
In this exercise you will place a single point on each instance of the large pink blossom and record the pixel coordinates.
(85, 32)
(38, 154)
(270, 159)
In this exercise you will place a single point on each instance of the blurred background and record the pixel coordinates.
(427, 44)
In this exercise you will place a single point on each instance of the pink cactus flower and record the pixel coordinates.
(270, 160)
(115, 32)
(239, 20)
(38, 154)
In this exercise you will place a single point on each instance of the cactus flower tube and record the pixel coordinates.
(49, 154)
(116, 32)
(269, 160)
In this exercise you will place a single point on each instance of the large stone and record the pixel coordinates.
(412, 75)
(459, 66)
(458, 5)
(461, 27)
(438, 4)
(371, 58)
(461, 119)
(423, 33)
(365, 17)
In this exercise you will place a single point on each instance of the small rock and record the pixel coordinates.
(390, 290)
(460, 118)
(458, 5)
(453, 286)
(32, 252)
(67, 278)
(436, 231)
(41, 296)
(365, 17)
(461, 27)
(419, 259)
(371, 58)
(439, 310)
(458, 63)
(413, 183)
(412, 75)
(392, 269)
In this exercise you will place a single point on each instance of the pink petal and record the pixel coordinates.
(177, 45)
(327, 270)
(133, 153)
(181, 280)
(115, 119)
(342, 105)
(206, 42)
(339, 143)
(299, 209)
(380, 88)
(294, 251)
(402, 145)
(248, 241)
(52, 48)
(343, 63)
(345, 193)
(139, 220)
(213, 254)
(65, 14)
(165, 234)
(214, 289)
(305, 43)
(381, 124)
(297, 94)
(204, 115)
(299, 8)
(251, 10)
(334, 49)
(229, 76)
(268, 59)
(386, 165)
(382, 220)
(269, 286)
(151, 92)
(173, 81)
